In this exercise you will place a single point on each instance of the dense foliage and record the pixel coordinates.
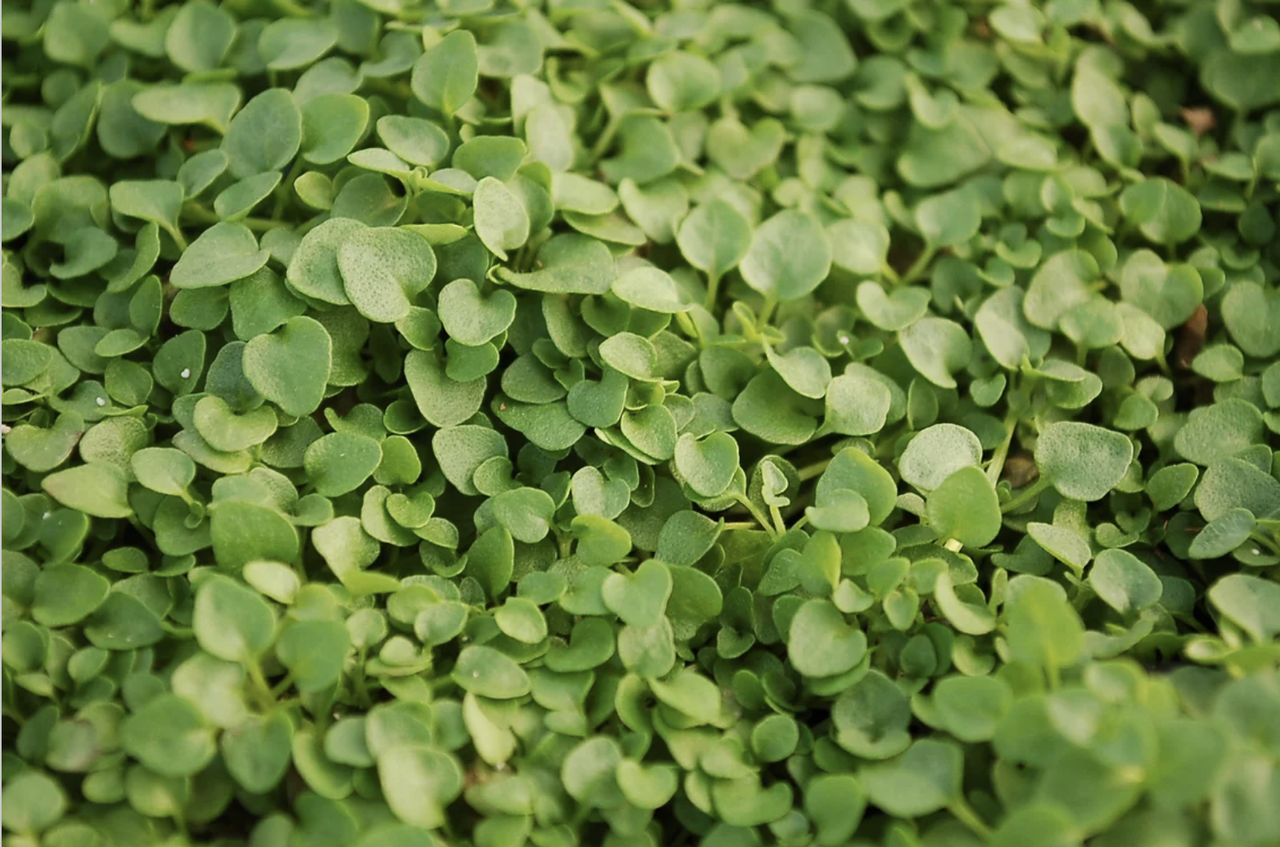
(592, 423)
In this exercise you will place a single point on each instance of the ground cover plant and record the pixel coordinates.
(627, 424)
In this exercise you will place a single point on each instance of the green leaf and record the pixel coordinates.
(32, 802)
(679, 81)
(1163, 211)
(1169, 294)
(568, 264)
(258, 750)
(1219, 431)
(292, 43)
(150, 200)
(821, 643)
(965, 507)
(332, 124)
(384, 269)
(314, 652)
(922, 780)
(500, 218)
(937, 348)
(949, 218)
(199, 36)
(232, 622)
(1043, 628)
(417, 141)
(714, 238)
(1084, 462)
(222, 254)
(1124, 582)
(638, 599)
(525, 512)
(419, 783)
(835, 803)
(339, 462)
(446, 75)
(708, 464)
(1250, 602)
(488, 673)
(601, 542)
(265, 135)
(972, 707)
(291, 366)
(789, 256)
(66, 594)
(169, 736)
(99, 489)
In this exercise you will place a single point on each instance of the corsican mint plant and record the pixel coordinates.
(591, 423)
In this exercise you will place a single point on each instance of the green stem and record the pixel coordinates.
(1163, 364)
(713, 285)
(290, 9)
(966, 815)
(281, 687)
(178, 238)
(196, 213)
(260, 688)
(1026, 495)
(286, 185)
(809, 472)
(1261, 539)
(778, 523)
(920, 265)
(749, 525)
(382, 86)
(766, 311)
(761, 519)
(996, 467)
(605, 139)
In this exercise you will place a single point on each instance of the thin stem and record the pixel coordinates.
(996, 467)
(199, 214)
(713, 285)
(731, 525)
(1163, 364)
(778, 523)
(605, 139)
(766, 311)
(761, 519)
(178, 238)
(809, 472)
(286, 185)
(260, 688)
(921, 264)
(1262, 539)
(1026, 495)
(969, 817)
(282, 686)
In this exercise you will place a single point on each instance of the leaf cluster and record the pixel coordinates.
(824, 423)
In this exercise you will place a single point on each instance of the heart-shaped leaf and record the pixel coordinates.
(290, 367)
(639, 599)
(821, 644)
(471, 318)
